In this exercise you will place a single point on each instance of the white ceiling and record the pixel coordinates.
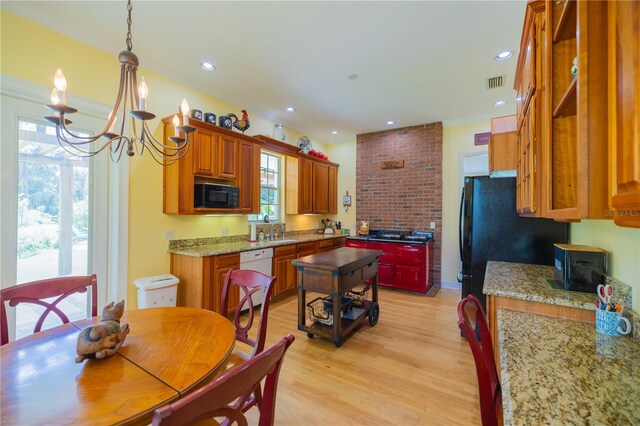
(418, 62)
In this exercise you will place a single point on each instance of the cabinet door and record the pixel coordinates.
(227, 157)
(529, 68)
(221, 265)
(339, 242)
(305, 195)
(325, 245)
(248, 182)
(333, 189)
(284, 271)
(502, 152)
(408, 277)
(307, 249)
(320, 188)
(204, 148)
(386, 274)
(624, 111)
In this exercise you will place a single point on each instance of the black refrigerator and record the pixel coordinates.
(490, 229)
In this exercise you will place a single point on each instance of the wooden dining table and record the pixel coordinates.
(168, 353)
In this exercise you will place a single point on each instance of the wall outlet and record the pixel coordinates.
(432, 225)
(169, 234)
(224, 231)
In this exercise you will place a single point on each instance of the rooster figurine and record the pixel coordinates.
(242, 124)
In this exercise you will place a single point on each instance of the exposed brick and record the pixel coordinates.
(402, 199)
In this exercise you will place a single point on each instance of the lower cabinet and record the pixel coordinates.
(325, 245)
(283, 270)
(306, 249)
(202, 279)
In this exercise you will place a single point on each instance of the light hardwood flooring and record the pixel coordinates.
(411, 368)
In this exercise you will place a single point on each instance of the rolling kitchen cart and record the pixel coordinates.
(335, 273)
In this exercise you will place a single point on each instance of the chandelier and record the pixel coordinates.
(129, 101)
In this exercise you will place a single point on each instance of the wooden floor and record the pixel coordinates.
(411, 368)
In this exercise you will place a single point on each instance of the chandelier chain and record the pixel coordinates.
(129, 43)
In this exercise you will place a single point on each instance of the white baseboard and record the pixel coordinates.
(454, 285)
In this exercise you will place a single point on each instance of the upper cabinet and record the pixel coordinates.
(531, 90)
(583, 92)
(502, 146)
(312, 186)
(624, 111)
(578, 158)
(216, 155)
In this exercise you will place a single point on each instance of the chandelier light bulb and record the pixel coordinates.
(176, 123)
(55, 100)
(143, 92)
(184, 109)
(59, 81)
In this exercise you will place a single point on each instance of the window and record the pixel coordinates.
(270, 187)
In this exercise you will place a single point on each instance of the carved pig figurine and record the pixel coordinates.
(106, 337)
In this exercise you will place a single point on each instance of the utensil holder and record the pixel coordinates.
(611, 323)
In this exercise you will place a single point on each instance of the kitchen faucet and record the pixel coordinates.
(282, 226)
(272, 234)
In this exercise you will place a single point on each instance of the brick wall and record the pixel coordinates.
(402, 199)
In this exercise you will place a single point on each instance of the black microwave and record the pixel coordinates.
(214, 196)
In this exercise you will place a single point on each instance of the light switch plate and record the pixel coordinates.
(224, 231)
(432, 225)
(169, 234)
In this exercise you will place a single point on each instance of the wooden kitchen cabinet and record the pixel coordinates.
(227, 157)
(283, 270)
(312, 186)
(202, 279)
(531, 87)
(204, 146)
(577, 158)
(248, 178)
(325, 245)
(624, 112)
(215, 155)
(502, 146)
(306, 249)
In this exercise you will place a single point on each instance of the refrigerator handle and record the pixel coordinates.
(460, 224)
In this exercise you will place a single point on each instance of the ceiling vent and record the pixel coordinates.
(495, 82)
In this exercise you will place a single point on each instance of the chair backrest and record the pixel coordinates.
(34, 292)
(471, 320)
(253, 286)
(226, 395)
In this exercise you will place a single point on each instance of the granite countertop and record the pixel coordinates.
(560, 371)
(528, 282)
(202, 250)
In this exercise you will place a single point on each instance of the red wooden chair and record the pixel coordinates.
(35, 291)
(227, 395)
(471, 319)
(253, 286)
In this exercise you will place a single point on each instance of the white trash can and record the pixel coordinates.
(157, 291)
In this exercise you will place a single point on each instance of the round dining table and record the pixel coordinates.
(168, 353)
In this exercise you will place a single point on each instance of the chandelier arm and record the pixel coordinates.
(159, 146)
(73, 149)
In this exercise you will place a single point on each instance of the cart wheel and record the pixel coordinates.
(310, 335)
(374, 313)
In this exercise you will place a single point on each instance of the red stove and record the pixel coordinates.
(405, 262)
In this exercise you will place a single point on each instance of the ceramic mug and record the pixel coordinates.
(609, 323)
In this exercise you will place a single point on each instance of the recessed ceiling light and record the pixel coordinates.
(207, 66)
(334, 132)
(291, 109)
(353, 76)
(390, 122)
(499, 103)
(503, 56)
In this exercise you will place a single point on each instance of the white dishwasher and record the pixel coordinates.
(257, 260)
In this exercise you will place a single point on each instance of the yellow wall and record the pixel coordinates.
(345, 154)
(623, 245)
(31, 52)
(456, 140)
